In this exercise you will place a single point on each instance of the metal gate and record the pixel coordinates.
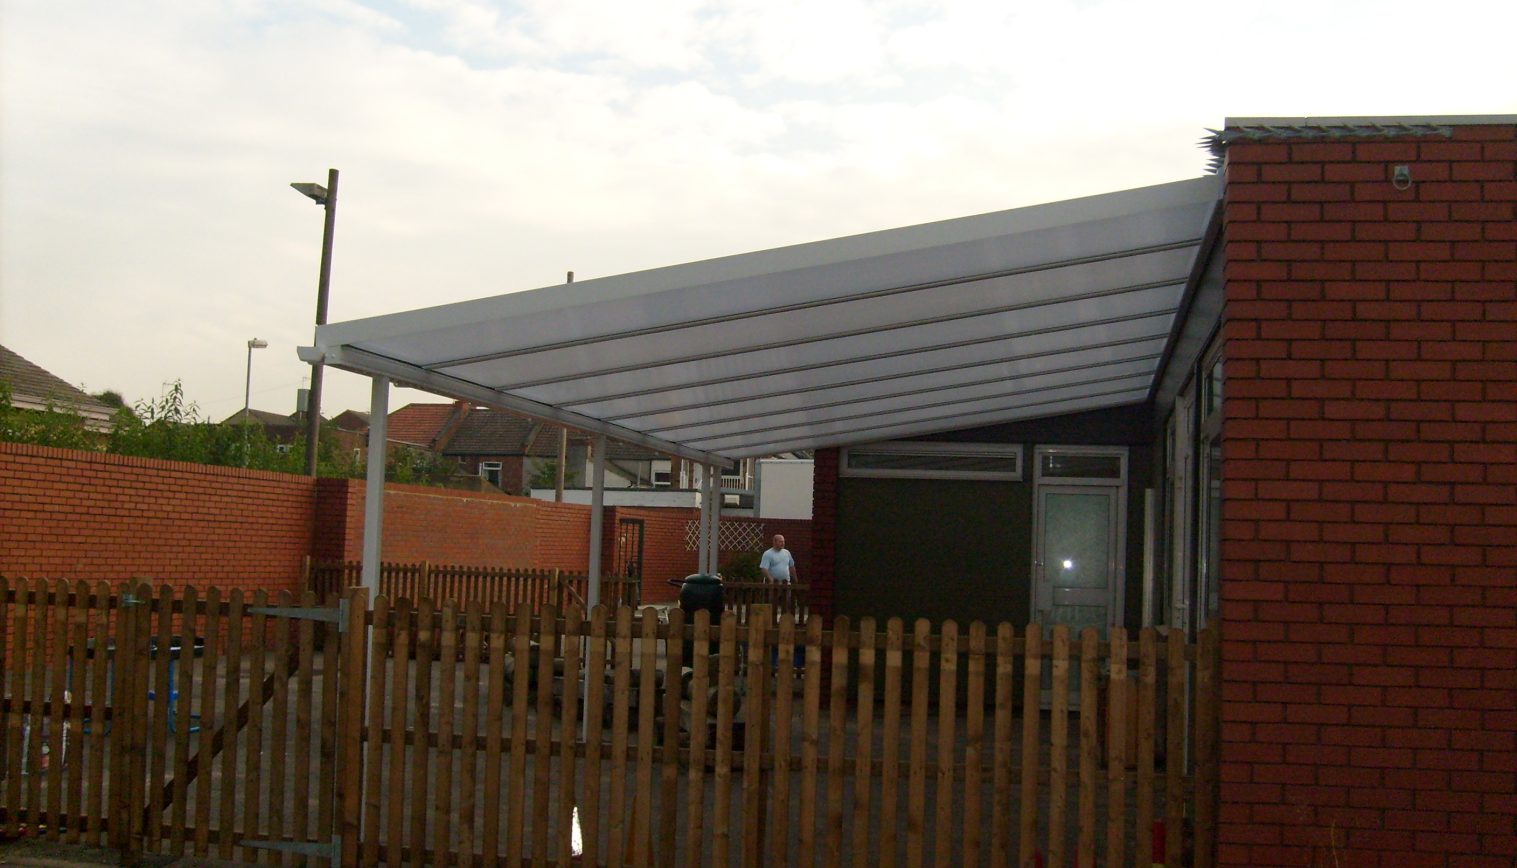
(629, 548)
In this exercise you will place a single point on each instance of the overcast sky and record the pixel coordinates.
(147, 229)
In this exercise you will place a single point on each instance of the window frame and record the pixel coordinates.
(1013, 451)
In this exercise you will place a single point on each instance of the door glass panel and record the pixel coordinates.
(1077, 541)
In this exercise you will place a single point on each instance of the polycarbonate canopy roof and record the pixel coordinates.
(1032, 312)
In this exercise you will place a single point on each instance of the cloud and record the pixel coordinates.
(147, 230)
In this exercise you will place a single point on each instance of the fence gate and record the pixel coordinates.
(629, 548)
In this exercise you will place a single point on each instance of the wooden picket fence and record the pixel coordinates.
(442, 735)
(785, 597)
(488, 585)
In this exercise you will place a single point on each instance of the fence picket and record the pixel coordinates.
(620, 696)
(1000, 775)
(521, 682)
(916, 794)
(305, 690)
(58, 669)
(210, 676)
(332, 655)
(948, 672)
(542, 741)
(1032, 700)
(182, 721)
(254, 744)
(13, 687)
(568, 730)
(379, 651)
(495, 701)
(647, 706)
(1116, 749)
(890, 752)
(100, 668)
(1058, 746)
(231, 698)
(863, 771)
(31, 764)
(755, 734)
(700, 692)
(669, 775)
(469, 757)
(76, 672)
(837, 731)
(421, 752)
(784, 703)
(595, 719)
(1147, 683)
(721, 813)
(395, 816)
(349, 772)
(1206, 747)
(1090, 748)
(1174, 746)
(447, 677)
(810, 723)
(974, 742)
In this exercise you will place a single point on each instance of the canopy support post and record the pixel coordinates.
(374, 488)
(714, 488)
(597, 519)
(702, 541)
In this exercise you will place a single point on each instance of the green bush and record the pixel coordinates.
(742, 567)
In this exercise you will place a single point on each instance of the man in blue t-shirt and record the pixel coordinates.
(777, 563)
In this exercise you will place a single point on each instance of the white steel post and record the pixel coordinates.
(701, 540)
(374, 490)
(597, 505)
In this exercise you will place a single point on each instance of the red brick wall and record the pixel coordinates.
(86, 515)
(563, 537)
(1370, 503)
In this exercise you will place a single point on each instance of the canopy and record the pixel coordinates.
(1031, 312)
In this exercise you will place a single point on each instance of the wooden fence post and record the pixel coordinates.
(1206, 747)
(352, 667)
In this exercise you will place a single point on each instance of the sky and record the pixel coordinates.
(148, 230)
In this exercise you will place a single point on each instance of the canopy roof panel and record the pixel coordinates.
(1017, 314)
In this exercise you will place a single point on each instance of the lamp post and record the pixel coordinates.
(326, 197)
(247, 396)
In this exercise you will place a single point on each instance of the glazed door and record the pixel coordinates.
(1076, 567)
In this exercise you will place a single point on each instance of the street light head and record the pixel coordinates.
(257, 344)
(314, 191)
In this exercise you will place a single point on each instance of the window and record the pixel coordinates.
(1086, 464)
(490, 470)
(910, 460)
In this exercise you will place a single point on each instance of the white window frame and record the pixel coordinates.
(498, 466)
(1120, 452)
(905, 447)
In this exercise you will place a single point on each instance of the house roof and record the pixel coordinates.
(34, 388)
(264, 418)
(1031, 312)
(545, 445)
(418, 424)
(352, 420)
(489, 432)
